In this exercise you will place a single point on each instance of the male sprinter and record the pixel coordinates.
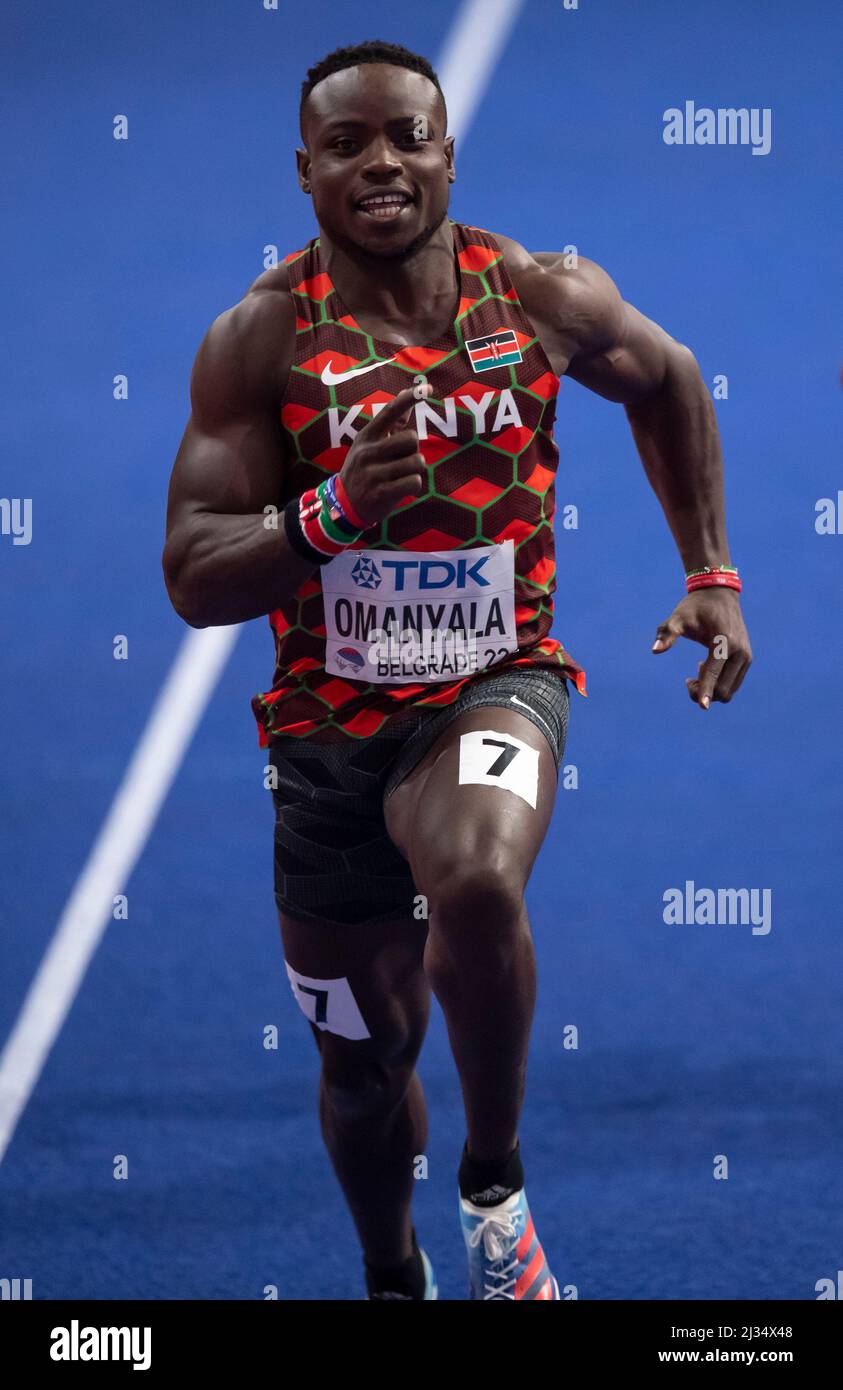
(369, 461)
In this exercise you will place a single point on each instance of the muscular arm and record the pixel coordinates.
(617, 352)
(222, 562)
(614, 350)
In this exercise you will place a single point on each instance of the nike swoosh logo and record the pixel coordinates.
(515, 701)
(332, 378)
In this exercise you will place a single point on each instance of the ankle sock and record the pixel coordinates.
(488, 1183)
(407, 1278)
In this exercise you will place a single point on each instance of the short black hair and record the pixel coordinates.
(372, 51)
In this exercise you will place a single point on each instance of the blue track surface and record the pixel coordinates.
(694, 1040)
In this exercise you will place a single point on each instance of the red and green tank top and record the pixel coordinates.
(458, 580)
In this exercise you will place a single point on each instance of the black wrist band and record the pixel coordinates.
(298, 540)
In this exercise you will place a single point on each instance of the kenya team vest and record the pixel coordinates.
(457, 580)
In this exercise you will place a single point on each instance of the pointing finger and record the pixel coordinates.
(396, 413)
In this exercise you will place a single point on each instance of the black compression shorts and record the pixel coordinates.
(334, 861)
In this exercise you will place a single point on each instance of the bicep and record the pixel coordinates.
(632, 365)
(231, 457)
(231, 466)
(613, 349)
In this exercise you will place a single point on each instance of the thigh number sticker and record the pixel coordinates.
(495, 759)
(329, 1004)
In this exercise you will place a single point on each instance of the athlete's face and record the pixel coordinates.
(373, 129)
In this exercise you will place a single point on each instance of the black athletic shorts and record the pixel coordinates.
(334, 861)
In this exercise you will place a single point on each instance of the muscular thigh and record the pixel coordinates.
(482, 794)
(362, 988)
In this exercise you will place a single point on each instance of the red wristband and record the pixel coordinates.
(347, 505)
(714, 580)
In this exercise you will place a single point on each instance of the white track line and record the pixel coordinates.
(471, 53)
(468, 60)
(121, 841)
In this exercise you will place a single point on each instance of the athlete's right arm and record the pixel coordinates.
(224, 560)
(226, 557)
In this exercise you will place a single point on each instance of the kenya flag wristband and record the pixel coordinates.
(721, 576)
(317, 526)
(337, 494)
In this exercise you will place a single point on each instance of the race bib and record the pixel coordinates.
(399, 616)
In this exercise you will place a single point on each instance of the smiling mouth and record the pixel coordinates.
(384, 209)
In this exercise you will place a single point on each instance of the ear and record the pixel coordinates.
(303, 169)
(448, 148)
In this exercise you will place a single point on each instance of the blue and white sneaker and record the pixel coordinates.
(505, 1257)
(431, 1288)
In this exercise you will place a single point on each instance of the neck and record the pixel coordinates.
(397, 287)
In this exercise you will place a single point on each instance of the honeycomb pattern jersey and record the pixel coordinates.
(486, 436)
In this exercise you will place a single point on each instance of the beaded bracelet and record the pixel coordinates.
(710, 576)
(319, 525)
(337, 494)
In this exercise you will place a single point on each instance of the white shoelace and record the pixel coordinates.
(499, 1238)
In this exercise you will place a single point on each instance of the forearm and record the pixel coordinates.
(675, 432)
(227, 569)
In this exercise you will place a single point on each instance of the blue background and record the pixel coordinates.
(694, 1040)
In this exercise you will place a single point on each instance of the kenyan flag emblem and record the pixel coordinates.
(494, 350)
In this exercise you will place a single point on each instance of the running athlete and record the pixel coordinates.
(369, 461)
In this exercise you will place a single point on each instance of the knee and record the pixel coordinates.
(476, 922)
(478, 891)
(365, 1089)
(371, 1076)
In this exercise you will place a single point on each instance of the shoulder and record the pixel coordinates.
(576, 294)
(246, 354)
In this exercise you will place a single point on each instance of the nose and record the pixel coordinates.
(381, 157)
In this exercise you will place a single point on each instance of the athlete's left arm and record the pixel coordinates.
(617, 352)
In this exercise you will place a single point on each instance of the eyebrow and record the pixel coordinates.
(350, 123)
